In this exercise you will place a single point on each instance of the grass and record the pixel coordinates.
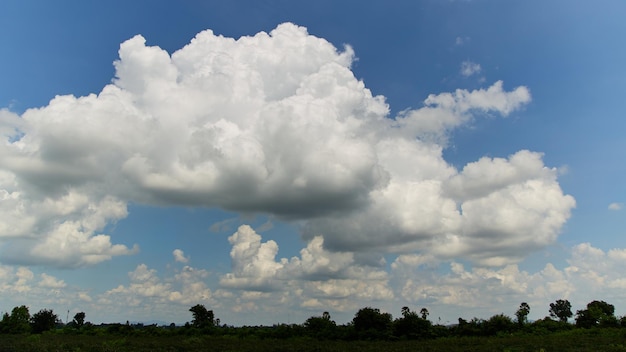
(612, 340)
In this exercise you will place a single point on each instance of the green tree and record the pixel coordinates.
(424, 313)
(43, 320)
(17, 322)
(321, 327)
(79, 319)
(499, 323)
(371, 323)
(597, 313)
(202, 318)
(561, 309)
(411, 325)
(522, 313)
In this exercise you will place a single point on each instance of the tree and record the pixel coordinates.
(202, 318)
(79, 319)
(499, 323)
(320, 327)
(411, 325)
(561, 309)
(43, 320)
(597, 313)
(371, 323)
(424, 313)
(522, 313)
(17, 322)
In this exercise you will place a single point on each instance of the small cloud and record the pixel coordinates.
(266, 226)
(469, 68)
(223, 226)
(459, 41)
(179, 256)
(616, 206)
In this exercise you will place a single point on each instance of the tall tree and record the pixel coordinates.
(424, 313)
(561, 309)
(522, 313)
(202, 318)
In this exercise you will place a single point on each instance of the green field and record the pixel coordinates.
(574, 340)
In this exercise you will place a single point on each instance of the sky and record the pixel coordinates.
(273, 160)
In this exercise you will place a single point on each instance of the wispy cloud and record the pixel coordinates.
(616, 206)
(460, 41)
(469, 68)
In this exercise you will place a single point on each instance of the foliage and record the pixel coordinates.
(498, 324)
(597, 313)
(561, 309)
(522, 313)
(17, 322)
(202, 318)
(79, 319)
(43, 320)
(370, 323)
(412, 326)
(321, 327)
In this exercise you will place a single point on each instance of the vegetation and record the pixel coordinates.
(595, 328)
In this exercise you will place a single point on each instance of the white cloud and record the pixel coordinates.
(590, 274)
(469, 68)
(50, 281)
(616, 206)
(460, 41)
(179, 256)
(317, 277)
(274, 123)
(318, 280)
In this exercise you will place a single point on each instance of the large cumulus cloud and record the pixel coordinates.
(272, 123)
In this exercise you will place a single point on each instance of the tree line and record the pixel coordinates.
(368, 324)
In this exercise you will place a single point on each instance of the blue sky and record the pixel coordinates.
(463, 156)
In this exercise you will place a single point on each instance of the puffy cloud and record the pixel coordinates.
(509, 208)
(147, 292)
(179, 256)
(494, 211)
(317, 277)
(253, 262)
(616, 206)
(50, 281)
(591, 274)
(274, 123)
(445, 111)
(469, 68)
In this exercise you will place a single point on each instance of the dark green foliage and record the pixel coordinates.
(498, 324)
(321, 327)
(16, 323)
(44, 320)
(370, 323)
(412, 326)
(547, 326)
(561, 309)
(79, 319)
(598, 313)
(522, 313)
(202, 318)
